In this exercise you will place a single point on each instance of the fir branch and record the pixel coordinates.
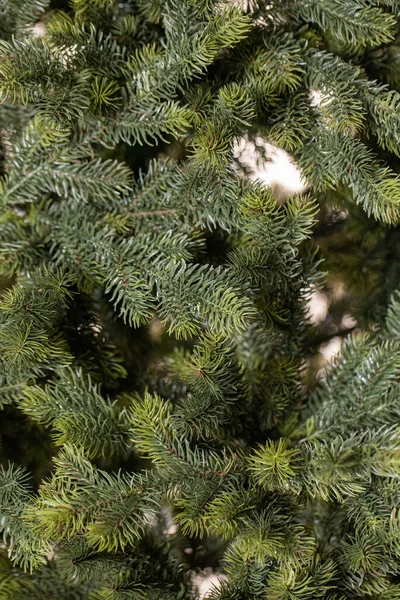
(64, 506)
(15, 18)
(77, 412)
(24, 547)
(350, 22)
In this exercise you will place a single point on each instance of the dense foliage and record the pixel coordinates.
(162, 403)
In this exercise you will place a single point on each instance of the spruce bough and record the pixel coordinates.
(162, 410)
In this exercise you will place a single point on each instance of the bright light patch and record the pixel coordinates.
(278, 171)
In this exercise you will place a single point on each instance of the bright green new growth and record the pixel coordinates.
(162, 406)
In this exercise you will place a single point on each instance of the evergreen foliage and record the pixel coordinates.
(163, 410)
